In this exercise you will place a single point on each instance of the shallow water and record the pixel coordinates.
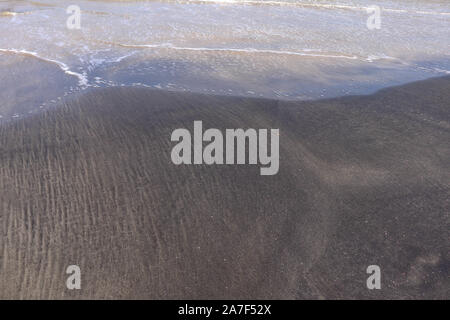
(292, 49)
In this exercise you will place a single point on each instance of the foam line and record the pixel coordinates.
(82, 79)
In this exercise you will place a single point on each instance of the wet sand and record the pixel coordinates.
(22, 94)
(363, 180)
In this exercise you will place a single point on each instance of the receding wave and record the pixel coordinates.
(303, 53)
(82, 79)
(307, 4)
(307, 52)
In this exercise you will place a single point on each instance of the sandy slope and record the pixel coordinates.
(362, 180)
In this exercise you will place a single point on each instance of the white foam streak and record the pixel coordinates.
(370, 58)
(238, 50)
(304, 4)
(82, 79)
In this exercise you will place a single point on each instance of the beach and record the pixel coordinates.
(362, 180)
(289, 50)
(104, 195)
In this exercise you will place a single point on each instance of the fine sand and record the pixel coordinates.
(363, 180)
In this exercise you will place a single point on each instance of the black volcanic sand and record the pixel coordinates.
(363, 180)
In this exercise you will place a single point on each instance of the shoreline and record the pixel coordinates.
(69, 90)
(24, 90)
